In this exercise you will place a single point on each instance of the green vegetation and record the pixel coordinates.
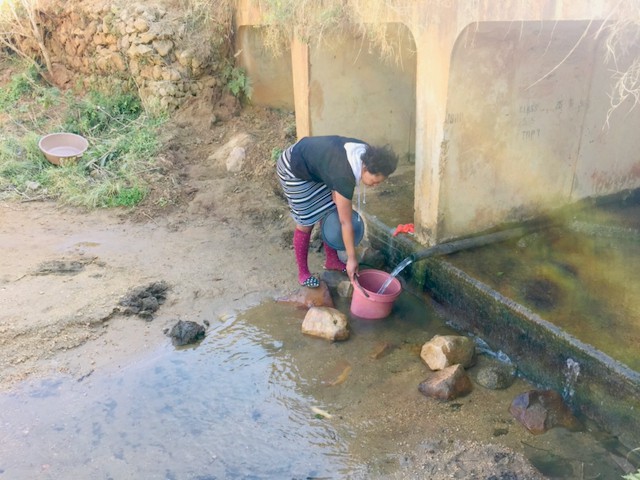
(633, 476)
(122, 144)
(237, 82)
(20, 85)
(275, 154)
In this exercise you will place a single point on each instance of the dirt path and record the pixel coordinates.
(222, 244)
(63, 273)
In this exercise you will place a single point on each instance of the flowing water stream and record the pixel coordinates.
(395, 272)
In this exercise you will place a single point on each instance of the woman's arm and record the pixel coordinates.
(345, 215)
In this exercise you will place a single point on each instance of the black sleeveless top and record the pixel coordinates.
(324, 160)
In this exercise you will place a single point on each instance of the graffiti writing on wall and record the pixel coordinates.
(533, 134)
(453, 118)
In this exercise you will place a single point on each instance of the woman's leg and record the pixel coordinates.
(301, 240)
(332, 260)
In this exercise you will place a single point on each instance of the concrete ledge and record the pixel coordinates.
(604, 390)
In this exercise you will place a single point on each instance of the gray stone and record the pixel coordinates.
(220, 156)
(235, 160)
(145, 300)
(496, 375)
(327, 323)
(186, 332)
(540, 410)
(442, 351)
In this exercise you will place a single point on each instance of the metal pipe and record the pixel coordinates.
(467, 243)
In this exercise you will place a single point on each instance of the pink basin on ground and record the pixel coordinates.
(63, 148)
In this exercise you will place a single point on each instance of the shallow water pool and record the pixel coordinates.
(257, 399)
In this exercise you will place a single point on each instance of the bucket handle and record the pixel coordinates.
(355, 283)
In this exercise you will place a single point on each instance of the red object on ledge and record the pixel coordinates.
(404, 228)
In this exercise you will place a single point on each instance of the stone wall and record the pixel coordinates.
(152, 45)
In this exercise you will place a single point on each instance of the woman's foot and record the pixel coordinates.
(310, 282)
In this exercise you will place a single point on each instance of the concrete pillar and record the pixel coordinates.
(434, 56)
(300, 70)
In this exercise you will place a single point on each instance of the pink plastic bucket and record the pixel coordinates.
(366, 302)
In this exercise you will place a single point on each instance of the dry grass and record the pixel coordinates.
(622, 40)
(19, 19)
(314, 22)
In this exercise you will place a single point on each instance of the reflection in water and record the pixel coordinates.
(228, 409)
(587, 285)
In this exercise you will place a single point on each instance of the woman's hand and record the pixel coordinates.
(352, 268)
(345, 215)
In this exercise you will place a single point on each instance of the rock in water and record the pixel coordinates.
(443, 351)
(495, 375)
(186, 332)
(310, 297)
(327, 323)
(447, 384)
(540, 410)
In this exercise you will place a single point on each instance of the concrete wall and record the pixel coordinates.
(609, 152)
(271, 75)
(507, 112)
(352, 91)
(525, 127)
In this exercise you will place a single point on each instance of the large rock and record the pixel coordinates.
(447, 384)
(310, 297)
(220, 156)
(540, 410)
(186, 333)
(327, 323)
(235, 160)
(443, 351)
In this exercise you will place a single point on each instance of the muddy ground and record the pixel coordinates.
(221, 241)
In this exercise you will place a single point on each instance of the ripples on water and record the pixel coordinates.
(227, 409)
(246, 403)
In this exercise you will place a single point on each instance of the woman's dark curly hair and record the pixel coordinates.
(380, 160)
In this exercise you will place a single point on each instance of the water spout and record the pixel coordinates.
(401, 266)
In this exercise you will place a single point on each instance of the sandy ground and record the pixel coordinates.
(220, 240)
(54, 320)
